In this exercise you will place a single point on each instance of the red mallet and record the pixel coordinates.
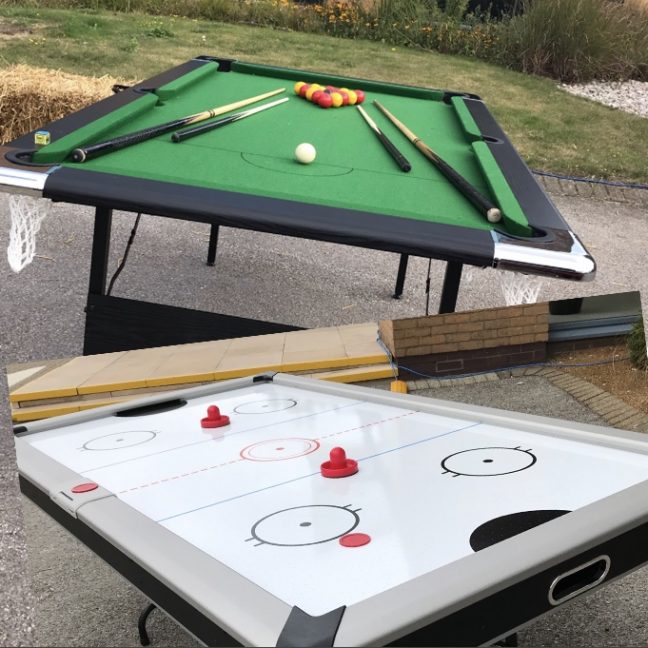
(360, 96)
(339, 465)
(325, 100)
(214, 418)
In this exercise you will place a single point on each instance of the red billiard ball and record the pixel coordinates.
(325, 101)
(345, 97)
(316, 96)
(360, 96)
(304, 89)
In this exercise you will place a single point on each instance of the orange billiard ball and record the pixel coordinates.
(336, 99)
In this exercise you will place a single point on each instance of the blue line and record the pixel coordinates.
(290, 481)
(235, 497)
(432, 438)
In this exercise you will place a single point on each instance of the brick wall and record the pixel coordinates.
(470, 341)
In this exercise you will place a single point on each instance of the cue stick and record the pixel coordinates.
(400, 159)
(83, 154)
(203, 128)
(492, 213)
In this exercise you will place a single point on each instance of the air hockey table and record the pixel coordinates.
(461, 525)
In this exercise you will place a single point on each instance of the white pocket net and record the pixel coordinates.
(27, 214)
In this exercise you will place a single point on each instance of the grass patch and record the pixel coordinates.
(637, 346)
(553, 131)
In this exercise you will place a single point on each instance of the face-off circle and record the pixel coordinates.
(118, 440)
(488, 462)
(267, 406)
(279, 449)
(301, 526)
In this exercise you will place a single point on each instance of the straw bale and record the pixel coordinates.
(31, 97)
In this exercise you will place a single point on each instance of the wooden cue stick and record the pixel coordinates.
(83, 154)
(492, 213)
(182, 135)
(399, 158)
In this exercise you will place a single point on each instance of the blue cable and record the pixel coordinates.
(549, 365)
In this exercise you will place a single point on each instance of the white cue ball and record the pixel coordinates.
(305, 153)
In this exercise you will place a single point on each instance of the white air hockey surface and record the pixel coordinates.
(251, 494)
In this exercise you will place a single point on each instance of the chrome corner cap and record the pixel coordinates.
(22, 181)
(571, 261)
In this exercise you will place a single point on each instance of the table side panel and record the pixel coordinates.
(66, 125)
(190, 586)
(290, 218)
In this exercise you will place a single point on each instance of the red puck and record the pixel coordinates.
(85, 488)
(355, 540)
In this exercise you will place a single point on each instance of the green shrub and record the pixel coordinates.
(637, 346)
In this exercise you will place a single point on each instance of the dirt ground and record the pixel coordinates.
(618, 377)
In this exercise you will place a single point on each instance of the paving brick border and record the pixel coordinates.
(611, 409)
(593, 190)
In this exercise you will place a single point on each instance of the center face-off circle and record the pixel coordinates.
(488, 462)
(119, 440)
(305, 525)
(279, 449)
(265, 406)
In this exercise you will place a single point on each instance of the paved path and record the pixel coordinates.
(77, 600)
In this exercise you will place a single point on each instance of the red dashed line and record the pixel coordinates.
(362, 427)
(189, 474)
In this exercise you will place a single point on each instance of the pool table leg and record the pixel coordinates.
(100, 251)
(450, 289)
(400, 277)
(213, 242)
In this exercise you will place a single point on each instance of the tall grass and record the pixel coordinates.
(578, 40)
(637, 346)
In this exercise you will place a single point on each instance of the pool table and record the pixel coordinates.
(245, 176)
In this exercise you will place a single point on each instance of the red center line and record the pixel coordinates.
(233, 461)
(366, 425)
(188, 474)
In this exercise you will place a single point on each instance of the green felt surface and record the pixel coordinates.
(352, 169)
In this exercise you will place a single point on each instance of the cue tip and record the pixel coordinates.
(78, 155)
